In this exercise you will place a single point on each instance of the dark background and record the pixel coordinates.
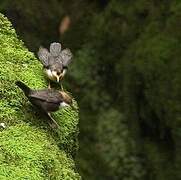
(125, 75)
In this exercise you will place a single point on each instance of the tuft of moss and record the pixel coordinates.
(29, 148)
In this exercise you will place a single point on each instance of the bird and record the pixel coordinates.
(55, 62)
(47, 100)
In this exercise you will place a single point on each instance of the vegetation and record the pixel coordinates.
(29, 148)
(126, 77)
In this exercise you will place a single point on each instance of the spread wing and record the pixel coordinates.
(55, 49)
(49, 96)
(55, 55)
(66, 57)
(44, 55)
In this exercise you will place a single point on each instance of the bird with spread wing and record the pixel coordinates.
(55, 62)
(46, 100)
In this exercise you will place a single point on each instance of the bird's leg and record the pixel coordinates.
(49, 85)
(55, 123)
(61, 77)
(61, 87)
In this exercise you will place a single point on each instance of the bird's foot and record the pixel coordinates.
(54, 125)
(49, 85)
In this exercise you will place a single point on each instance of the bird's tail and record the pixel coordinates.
(24, 87)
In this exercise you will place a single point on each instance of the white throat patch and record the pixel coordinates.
(63, 104)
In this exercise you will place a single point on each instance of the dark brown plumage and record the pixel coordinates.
(47, 100)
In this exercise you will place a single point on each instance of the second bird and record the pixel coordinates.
(55, 61)
(46, 100)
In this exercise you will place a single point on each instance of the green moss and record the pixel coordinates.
(28, 153)
(29, 148)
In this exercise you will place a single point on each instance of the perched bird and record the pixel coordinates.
(47, 100)
(55, 62)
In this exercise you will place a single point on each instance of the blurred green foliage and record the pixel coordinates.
(126, 77)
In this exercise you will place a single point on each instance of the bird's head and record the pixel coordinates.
(57, 74)
(58, 71)
(67, 99)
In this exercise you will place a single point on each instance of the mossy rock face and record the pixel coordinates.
(29, 148)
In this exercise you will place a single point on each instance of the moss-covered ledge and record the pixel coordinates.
(29, 148)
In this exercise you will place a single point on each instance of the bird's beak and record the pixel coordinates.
(58, 78)
(61, 76)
